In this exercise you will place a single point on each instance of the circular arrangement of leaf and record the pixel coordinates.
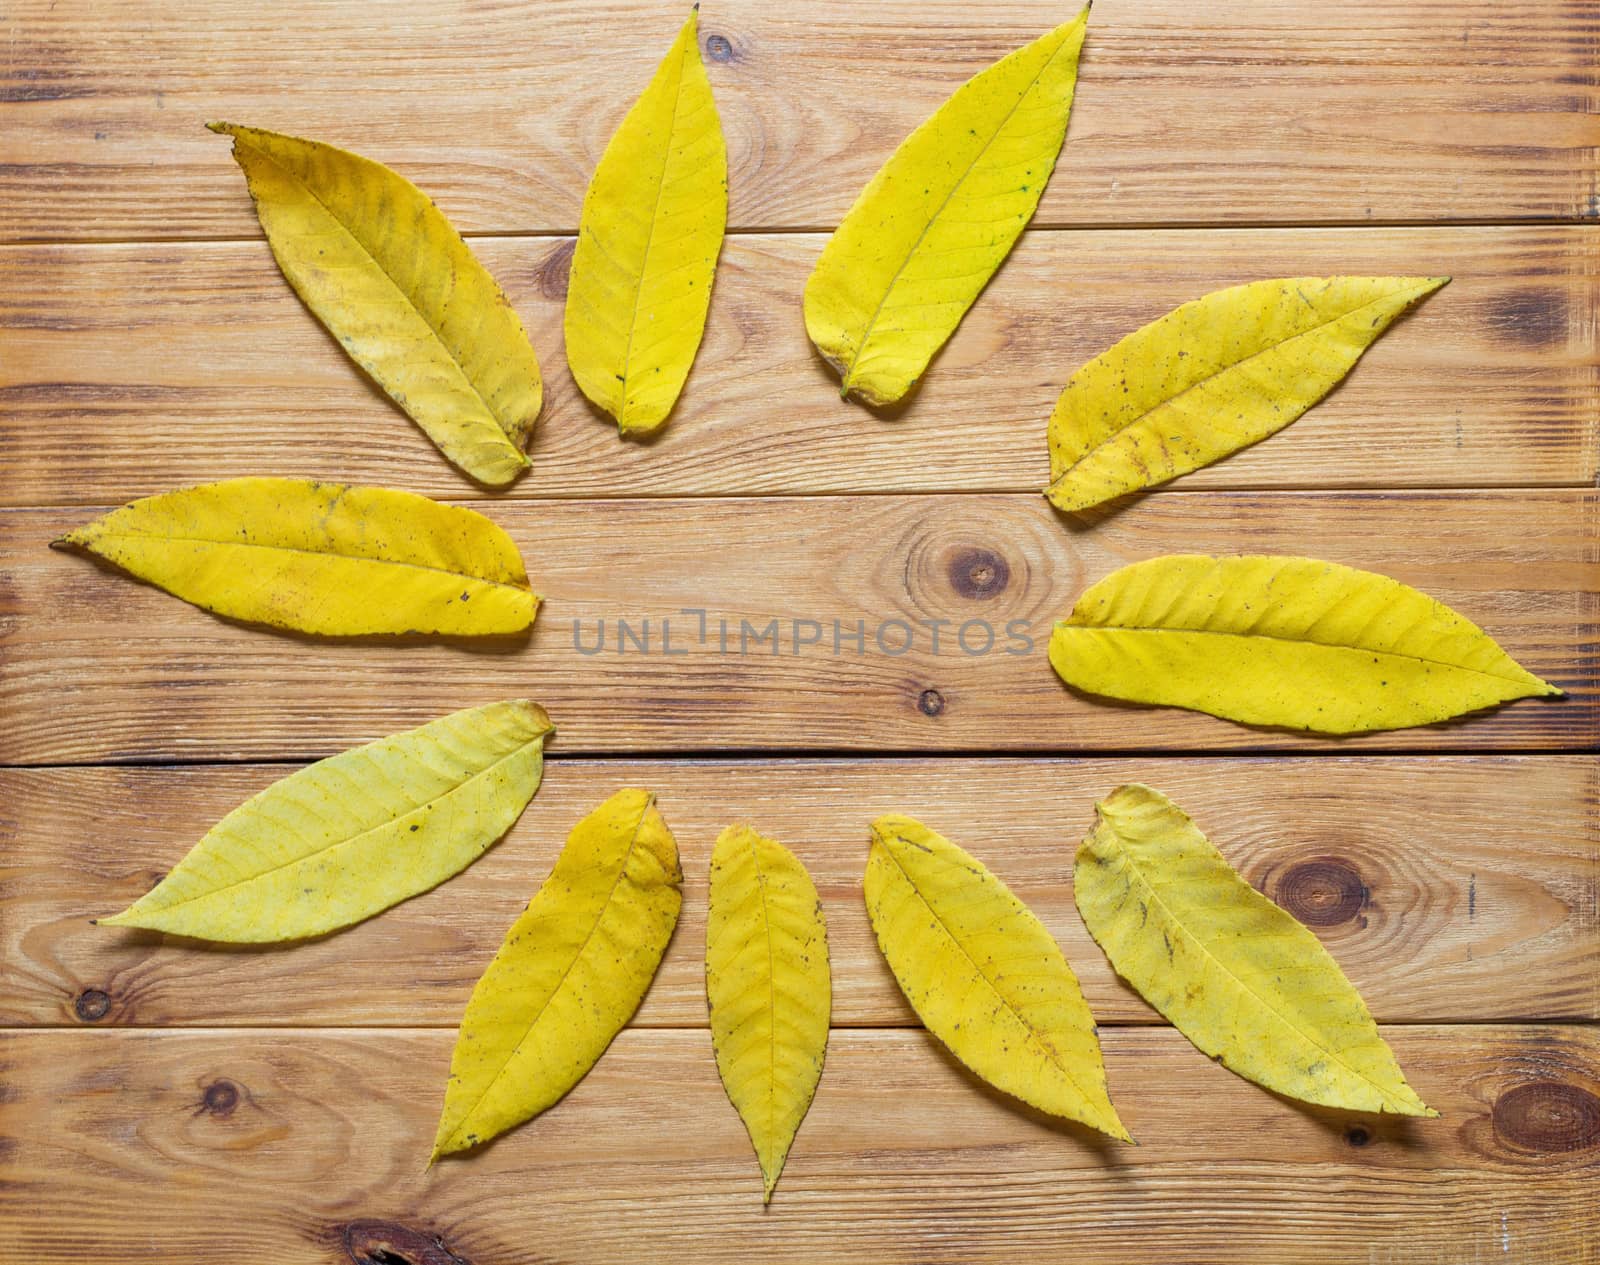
(1285, 642)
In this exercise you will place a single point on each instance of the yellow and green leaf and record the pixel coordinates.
(1238, 976)
(1211, 377)
(571, 972)
(351, 835)
(647, 247)
(931, 227)
(984, 975)
(381, 267)
(1282, 641)
(768, 989)
(321, 558)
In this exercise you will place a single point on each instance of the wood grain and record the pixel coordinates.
(165, 1101)
(1230, 112)
(1434, 882)
(288, 1147)
(194, 362)
(96, 668)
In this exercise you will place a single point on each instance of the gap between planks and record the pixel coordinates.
(819, 230)
(848, 755)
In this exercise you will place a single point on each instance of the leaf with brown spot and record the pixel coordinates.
(393, 281)
(572, 970)
(321, 558)
(1212, 377)
(1239, 977)
(349, 836)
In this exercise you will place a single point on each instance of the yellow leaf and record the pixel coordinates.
(381, 267)
(1283, 641)
(768, 988)
(938, 218)
(1211, 377)
(571, 972)
(1237, 975)
(647, 246)
(984, 975)
(321, 558)
(349, 836)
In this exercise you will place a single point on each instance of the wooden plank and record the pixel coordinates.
(194, 362)
(288, 1147)
(97, 669)
(1433, 881)
(1225, 113)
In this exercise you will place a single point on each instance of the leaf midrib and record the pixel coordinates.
(329, 554)
(650, 237)
(872, 322)
(1212, 377)
(1184, 931)
(1034, 1034)
(1301, 641)
(772, 997)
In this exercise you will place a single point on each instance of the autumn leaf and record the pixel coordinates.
(984, 975)
(939, 217)
(1211, 377)
(381, 267)
(321, 558)
(571, 972)
(652, 226)
(349, 836)
(1238, 976)
(1283, 641)
(768, 989)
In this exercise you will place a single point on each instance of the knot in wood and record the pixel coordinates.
(220, 1097)
(92, 1005)
(554, 271)
(1547, 1116)
(719, 48)
(372, 1242)
(1322, 892)
(930, 702)
(978, 573)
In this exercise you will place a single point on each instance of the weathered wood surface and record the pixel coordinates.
(1435, 882)
(166, 1101)
(173, 358)
(287, 1147)
(1237, 111)
(99, 668)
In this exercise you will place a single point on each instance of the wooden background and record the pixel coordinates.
(165, 1101)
